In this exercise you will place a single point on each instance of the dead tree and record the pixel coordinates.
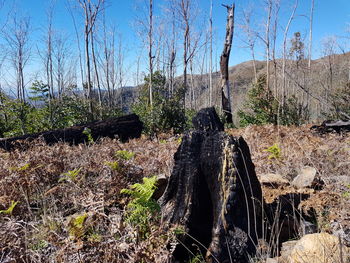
(211, 55)
(213, 194)
(91, 11)
(224, 61)
(150, 54)
(17, 38)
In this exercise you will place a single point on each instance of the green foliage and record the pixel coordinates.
(94, 237)
(88, 134)
(275, 152)
(9, 210)
(261, 107)
(197, 259)
(71, 176)
(113, 165)
(124, 155)
(76, 226)
(39, 91)
(42, 112)
(142, 207)
(40, 244)
(21, 168)
(167, 113)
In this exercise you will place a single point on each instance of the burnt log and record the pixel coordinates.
(214, 195)
(328, 126)
(125, 127)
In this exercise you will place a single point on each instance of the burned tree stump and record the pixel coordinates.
(214, 194)
(125, 127)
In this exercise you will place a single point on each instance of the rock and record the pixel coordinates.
(161, 184)
(318, 248)
(287, 248)
(273, 179)
(305, 178)
(271, 260)
(307, 227)
(214, 195)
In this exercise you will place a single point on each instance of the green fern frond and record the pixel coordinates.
(142, 207)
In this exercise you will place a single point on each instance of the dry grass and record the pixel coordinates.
(40, 227)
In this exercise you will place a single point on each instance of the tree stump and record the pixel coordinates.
(125, 127)
(213, 194)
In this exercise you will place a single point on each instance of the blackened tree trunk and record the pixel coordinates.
(214, 194)
(224, 61)
(125, 127)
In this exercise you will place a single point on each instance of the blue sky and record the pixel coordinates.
(331, 18)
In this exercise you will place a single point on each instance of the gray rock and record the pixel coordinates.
(273, 179)
(305, 178)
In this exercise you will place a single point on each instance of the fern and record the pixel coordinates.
(124, 155)
(142, 207)
(70, 175)
(76, 226)
(114, 166)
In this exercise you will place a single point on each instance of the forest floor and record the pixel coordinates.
(67, 205)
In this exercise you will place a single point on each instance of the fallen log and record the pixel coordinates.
(338, 126)
(213, 194)
(125, 127)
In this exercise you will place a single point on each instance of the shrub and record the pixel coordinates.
(167, 112)
(262, 107)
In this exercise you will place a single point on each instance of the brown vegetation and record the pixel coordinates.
(65, 214)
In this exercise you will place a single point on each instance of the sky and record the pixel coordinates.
(331, 19)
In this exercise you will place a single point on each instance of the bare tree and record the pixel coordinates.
(310, 33)
(251, 36)
(79, 49)
(267, 39)
(60, 53)
(276, 10)
(224, 62)
(48, 62)
(17, 38)
(190, 40)
(91, 10)
(286, 30)
(211, 54)
(150, 52)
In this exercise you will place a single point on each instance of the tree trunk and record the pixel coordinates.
(150, 55)
(224, 61)
(213, 194)
(125, 127)
(211, 55)
(96, 72)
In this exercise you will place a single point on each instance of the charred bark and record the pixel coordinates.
(125, 127)
(338, 126)
(214, 194)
